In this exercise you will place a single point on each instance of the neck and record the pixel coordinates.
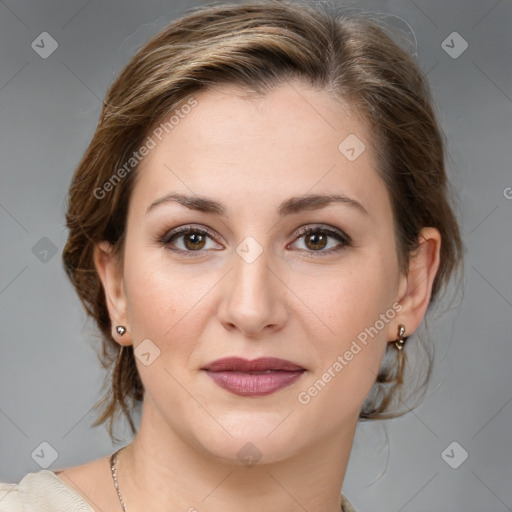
(163, 469)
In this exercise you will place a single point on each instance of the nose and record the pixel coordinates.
(253, 298)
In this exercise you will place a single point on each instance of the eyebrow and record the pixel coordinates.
(290, 206)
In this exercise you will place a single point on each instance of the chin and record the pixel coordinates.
(259, 438)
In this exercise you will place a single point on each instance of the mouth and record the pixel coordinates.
(259, 377)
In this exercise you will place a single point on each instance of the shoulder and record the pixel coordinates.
(42, 491)
(74, 489)
(346, 506)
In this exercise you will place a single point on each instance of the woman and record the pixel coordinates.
(259, 223)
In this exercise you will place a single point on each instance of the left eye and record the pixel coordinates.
(317, 239)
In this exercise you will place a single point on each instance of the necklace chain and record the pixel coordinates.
(113, 469)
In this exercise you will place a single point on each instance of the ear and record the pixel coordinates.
(109, 269)
(415, 288)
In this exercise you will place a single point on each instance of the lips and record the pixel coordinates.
(263, 364)
(253, 378)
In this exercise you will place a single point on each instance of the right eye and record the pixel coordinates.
(188, 240)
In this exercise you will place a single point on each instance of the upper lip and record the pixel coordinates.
(239, 364)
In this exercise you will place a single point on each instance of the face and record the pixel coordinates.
(258, 270)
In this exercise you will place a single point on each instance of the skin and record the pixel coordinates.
(292, 302)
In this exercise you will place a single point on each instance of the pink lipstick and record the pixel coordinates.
(253, 378)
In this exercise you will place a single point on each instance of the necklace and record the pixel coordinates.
(113, 470)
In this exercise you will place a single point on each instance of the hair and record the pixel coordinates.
(257, 47)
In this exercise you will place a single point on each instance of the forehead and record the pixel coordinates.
(291, 141)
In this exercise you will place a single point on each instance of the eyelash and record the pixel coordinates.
(345, 240)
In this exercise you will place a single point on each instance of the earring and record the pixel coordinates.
(400, 342)
(120, 329)
(399, 345)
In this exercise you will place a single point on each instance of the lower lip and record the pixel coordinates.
(250, 384)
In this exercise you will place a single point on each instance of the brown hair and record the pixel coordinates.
(258, 46)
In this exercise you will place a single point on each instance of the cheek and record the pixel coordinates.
(153, 306)
(352, 299)
(165, 302)
(165, 307)
(356, 315)
(349, 364)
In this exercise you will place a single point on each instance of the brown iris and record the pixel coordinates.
(194, 241)
(318, 241)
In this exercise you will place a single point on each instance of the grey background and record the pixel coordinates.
(49, 375)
